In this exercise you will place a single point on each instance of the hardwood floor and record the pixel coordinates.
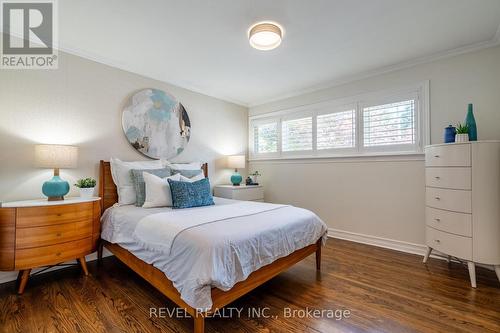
(384, 290)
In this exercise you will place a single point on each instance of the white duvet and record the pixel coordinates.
(215, 246)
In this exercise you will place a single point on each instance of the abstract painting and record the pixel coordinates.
(156, 124)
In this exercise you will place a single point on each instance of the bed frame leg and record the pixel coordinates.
(318, 255)
(199, 323)
(100, 249)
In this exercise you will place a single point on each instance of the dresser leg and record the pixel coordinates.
(318, 255)
(427, 254)
(497, 270)
(472, 273)
(23, 277)
(100, 249)
(83, 263)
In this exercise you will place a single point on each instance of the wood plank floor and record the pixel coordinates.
(384, 290)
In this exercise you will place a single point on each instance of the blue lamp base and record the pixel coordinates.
(236, 178)
(55, 189)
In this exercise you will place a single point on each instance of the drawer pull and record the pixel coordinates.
(58, 254)
(437, 241)
(58, 234)
(436, 156)
(437, 198)
(59, 214)
(437, 177)
(437, 220)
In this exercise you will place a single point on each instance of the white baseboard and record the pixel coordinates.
(378, 241)
(387, 243)
(12, 276)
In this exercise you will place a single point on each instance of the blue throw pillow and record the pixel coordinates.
(140, 186)
(195, 194)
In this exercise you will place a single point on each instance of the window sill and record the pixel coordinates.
(368, 157)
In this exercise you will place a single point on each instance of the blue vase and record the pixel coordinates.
(56, 188)
(471, 123)
(236, 179)
(449, 134)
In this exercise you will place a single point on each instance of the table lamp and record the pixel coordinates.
(56, 157)
(236, 162)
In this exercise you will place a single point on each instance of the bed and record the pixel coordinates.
(161, 269)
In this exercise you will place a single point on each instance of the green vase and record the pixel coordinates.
(470, 121)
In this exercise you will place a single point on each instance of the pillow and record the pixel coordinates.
(140, 187)
(183, 166)
(120, 172)
(195, 194)
(200, 176)
(187, 173)
(158, 190)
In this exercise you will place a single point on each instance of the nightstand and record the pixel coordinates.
(37, 233)
(242, 192)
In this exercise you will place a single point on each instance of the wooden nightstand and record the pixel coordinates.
(37, 233)
(242, 192)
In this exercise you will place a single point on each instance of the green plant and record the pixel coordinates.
(462, 129)
(85, 183)
(256, 173)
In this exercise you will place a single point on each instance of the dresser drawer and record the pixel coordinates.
(50, 215)
(455, 223)
(454, 178)
(454, 245)
(454, 200)
(448, 155)
(52, 254)
(53, 234)
(248, 194)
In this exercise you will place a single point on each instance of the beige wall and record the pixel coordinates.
(385, 197)
(81, 104)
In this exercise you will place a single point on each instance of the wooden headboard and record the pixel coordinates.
(107, 188)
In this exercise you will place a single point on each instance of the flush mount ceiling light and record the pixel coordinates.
(265, 35)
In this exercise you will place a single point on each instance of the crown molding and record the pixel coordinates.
(495, 41)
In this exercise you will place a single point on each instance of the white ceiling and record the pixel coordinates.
(202, 45)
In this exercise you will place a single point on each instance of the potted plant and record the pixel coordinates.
(86, 186)
(462, 133)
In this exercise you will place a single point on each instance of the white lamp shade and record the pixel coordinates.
(236, 162)
(56, 156)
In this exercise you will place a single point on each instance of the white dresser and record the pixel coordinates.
(463, 202)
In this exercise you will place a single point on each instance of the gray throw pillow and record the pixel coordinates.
(140, 186)
(186, 173)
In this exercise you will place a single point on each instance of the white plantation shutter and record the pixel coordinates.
(371, 124)
(296, 134)
(336, 130)
(389, 124)
(265, 138)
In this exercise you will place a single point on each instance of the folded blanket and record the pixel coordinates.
(157, 232)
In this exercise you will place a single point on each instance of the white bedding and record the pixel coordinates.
(219, 253)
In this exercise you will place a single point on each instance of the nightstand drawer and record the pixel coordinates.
(54, 234)
(249, 194)
(458, 246)
(454, 178)
(455, 223)
(50, 215)
(454, 200)
(448, 155)
(52, 254)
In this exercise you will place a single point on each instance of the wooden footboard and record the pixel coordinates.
(219, 298)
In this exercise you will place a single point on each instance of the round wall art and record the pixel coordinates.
(156, 124)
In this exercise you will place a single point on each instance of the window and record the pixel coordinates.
(296, 134)
(336, 130)
(376, 123)
(389, 124)
(265, 138)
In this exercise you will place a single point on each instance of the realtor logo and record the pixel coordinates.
(29, 32)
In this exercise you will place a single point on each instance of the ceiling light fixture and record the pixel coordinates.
(265, 35)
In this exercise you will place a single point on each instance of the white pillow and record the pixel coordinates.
(192, 179)
(183, 166)
(120, 172)
(158, 190)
